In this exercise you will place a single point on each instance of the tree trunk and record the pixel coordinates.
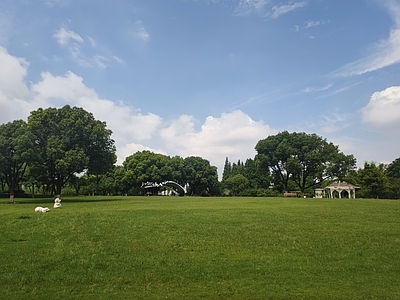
(11, 195)
(58, 187)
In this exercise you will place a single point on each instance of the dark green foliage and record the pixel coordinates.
(245, 179)
(146, 166)
(68, 141)
(16, 152)
(305, 159)
(393, 174)
(201, 177)
(373, 180)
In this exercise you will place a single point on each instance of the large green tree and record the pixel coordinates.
(393, 174)
(374, 182)
(201, 177)
(16, 152)
(305, 159)
(146, 166)
(70, 140)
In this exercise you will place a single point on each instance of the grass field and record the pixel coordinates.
(200, 248)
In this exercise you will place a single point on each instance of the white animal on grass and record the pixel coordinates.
(57, 203)
(42, 209)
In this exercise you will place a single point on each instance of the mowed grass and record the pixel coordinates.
(200, 248)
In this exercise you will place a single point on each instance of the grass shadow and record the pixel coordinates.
(64, 200)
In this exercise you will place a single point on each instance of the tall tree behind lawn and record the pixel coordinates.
(201, 176)
(374, 182)
(16, 152)
(144, 166)
(70, 140)
(305, 159)
(393, 174)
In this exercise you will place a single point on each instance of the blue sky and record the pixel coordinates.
(210, 77)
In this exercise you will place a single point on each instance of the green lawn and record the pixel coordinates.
(200, 248)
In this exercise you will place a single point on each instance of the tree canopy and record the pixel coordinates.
(305, 159)
(16, 152)
(68, 141)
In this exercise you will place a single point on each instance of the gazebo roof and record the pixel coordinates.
(341, 185)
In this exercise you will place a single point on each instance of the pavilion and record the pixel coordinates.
(338, 189)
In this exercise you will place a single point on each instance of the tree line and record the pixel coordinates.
(68, 150)
(302, 162)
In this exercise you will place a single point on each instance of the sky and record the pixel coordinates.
(210, 78)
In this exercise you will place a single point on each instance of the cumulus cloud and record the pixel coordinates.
(12, 75)
(15, 101)
(383, 110)
(131, 148)
(126, 123)
(232, 135)
(385, 53)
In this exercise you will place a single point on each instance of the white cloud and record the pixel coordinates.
(88, 54)
(100, 61)
(57, 2)
(247, 7)
(129, 149)
(383, 110)
(63, 36)
(282, 9)
(385, 53)
(15, 102)
(128, 125)
(12, 75)
(263, 8)
(317, 89)
(310, 24)
(139, 32)
(233, 135)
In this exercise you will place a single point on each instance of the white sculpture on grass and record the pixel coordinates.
(42, 209)
(57, 203)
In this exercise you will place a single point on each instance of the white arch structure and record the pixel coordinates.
(173, 186)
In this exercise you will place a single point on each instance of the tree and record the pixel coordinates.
(77, 182)
(393, 174)
(227, 169)
(237, 184)
(305, 159)
(374, 182)
(146, 166)
(176, 163)
(201, 177)
(393, 169)
(16, 152)
(69, 141)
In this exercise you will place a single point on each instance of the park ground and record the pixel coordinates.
(200, 248)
